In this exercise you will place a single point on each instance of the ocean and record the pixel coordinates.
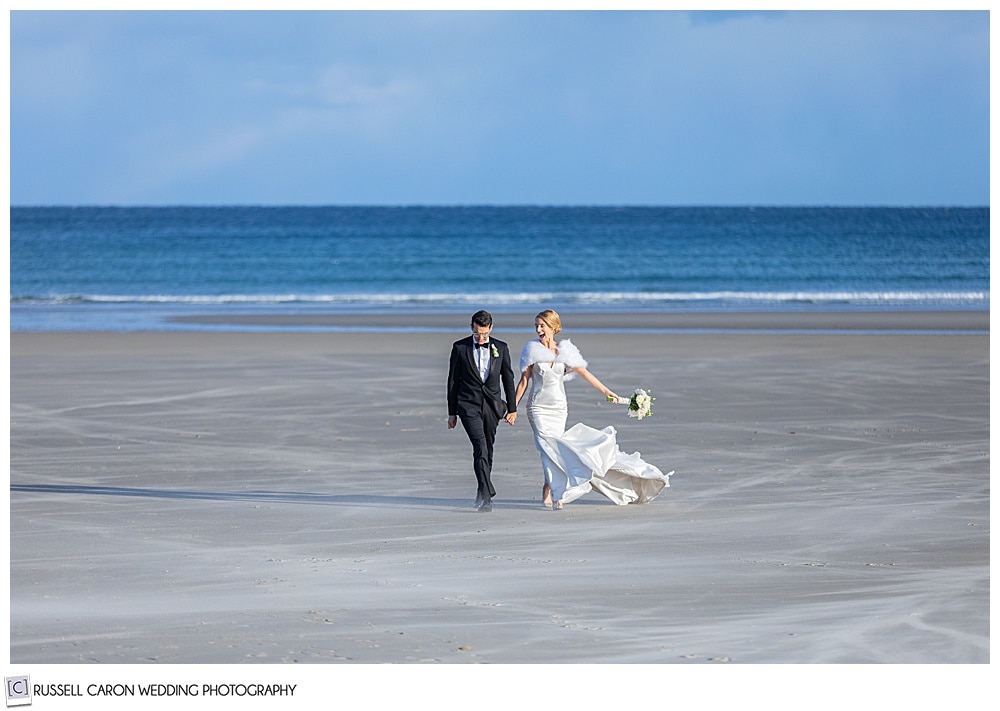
(143, 268)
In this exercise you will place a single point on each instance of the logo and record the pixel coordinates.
(18, 690)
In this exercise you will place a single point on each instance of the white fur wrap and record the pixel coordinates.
(534, 352)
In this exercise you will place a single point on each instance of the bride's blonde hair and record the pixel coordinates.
(551, 319)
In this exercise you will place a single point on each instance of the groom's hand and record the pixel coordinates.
(511, 418)
(452, 421)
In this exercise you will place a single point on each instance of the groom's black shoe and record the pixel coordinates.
(485, 507)
(479, 501)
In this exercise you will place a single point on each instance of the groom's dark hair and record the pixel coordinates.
(482, 318)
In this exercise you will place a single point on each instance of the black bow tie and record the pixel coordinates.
(483, 345)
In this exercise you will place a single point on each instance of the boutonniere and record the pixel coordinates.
(494, 351)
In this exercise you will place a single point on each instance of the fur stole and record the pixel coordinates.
(534, 352)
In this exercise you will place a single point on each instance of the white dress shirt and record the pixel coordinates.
(483, 359)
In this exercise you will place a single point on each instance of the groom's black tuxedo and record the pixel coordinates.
(481, 404)
(467, 393)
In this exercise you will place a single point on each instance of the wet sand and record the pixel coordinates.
(287, 498)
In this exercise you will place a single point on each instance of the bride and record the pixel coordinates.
(580, 459)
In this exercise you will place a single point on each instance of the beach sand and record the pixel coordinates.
(223, 498)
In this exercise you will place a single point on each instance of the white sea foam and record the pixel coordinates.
(609, 298)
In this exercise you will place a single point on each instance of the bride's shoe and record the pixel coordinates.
(546, 496)
(557, 506)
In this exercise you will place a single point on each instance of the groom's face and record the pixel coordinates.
(481, 334)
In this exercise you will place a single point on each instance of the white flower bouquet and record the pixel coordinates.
(639, 405)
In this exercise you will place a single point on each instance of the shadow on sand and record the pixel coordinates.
(267, 497)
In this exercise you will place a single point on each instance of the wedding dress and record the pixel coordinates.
(580, 459)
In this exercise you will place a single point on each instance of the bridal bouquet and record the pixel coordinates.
(639, 405)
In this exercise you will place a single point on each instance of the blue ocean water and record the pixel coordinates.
(108, 268)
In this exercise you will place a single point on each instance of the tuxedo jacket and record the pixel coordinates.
(467, 393)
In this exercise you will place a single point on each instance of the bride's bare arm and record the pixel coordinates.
(522, 385)
(592, 379)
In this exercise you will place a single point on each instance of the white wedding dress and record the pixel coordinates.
(580, 459)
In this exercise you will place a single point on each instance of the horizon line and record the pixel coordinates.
(408, 205)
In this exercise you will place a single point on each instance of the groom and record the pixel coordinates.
(478, 366)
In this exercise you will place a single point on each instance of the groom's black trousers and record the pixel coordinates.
(482, 430)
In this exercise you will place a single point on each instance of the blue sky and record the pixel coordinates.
(439, 107)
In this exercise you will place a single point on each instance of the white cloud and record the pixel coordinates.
(338, 85)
